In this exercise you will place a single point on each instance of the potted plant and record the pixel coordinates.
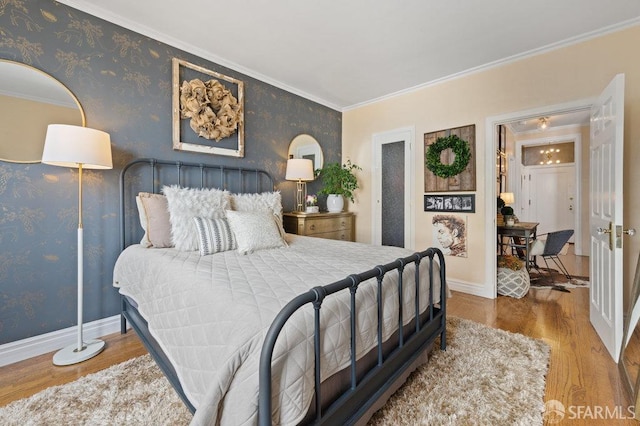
(507, 215)
(338, 181)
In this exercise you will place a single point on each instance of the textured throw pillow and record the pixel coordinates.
(265, 201)
(255, 230)
(187, 203)
(214, 235)
(154, 219)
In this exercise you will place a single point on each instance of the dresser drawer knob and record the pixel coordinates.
(312, 227)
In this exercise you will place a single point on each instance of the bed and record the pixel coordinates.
(311, 331)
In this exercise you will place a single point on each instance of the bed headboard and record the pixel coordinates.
(150, 175)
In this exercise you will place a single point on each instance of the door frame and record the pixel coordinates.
(576, 138)
(489, 288)
(406, 134)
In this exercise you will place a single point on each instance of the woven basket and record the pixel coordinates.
(513, 283)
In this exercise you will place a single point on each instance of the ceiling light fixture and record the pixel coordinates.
(543, 123)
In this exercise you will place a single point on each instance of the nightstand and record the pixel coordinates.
(333, 226)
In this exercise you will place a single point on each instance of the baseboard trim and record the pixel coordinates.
(37, 345)
(469, 288)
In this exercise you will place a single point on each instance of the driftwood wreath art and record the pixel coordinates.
(214, 112)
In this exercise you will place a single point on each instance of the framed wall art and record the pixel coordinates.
(450, 160)
(208, 111)
(450, 234)
(450, 203)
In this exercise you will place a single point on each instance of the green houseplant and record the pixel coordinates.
(338, 180)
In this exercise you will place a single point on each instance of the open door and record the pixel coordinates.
(605, 215)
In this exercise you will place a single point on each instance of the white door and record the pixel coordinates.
(605, 215)
(551, 200)
(405, 136)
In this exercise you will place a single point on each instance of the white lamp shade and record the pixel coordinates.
(299, 169)
(507, 197)
(69, 146)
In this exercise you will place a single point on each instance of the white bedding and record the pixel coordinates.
(210, 315)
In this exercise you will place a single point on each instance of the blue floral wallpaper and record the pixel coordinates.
(123, 82)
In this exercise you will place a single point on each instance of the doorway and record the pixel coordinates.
(547, 176)
(491, 135)
(393, 182)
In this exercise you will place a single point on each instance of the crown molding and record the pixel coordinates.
(500, 62)
(106, 15)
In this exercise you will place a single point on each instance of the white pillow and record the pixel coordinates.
(214, 235)
(265, 201)
(187, 203)
(255, 230)
(154, 219)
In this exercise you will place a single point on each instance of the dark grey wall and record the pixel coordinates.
(123, 81)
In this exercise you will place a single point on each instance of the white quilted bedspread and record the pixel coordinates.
(210, 315)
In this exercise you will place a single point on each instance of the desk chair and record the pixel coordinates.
(550, 248)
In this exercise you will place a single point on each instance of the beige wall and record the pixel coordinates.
(570, 74)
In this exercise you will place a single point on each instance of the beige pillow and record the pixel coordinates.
(154, 219)
(255, 230)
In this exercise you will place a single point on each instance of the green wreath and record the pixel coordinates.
(459, 147)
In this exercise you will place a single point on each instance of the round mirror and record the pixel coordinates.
(305, 146)
(30, 100)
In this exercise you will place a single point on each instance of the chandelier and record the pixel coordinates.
(548, 155)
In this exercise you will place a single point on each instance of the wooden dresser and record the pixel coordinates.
(333, 226)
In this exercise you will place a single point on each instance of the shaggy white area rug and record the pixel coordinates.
(486, 376)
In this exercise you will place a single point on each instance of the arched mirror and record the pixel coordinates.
(305, 146)
(30, 100)
(629, 364)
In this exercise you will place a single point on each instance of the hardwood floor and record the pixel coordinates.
(582, 375)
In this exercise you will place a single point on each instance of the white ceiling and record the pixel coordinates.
(346, 53)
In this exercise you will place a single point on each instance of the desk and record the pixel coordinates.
(524, 230)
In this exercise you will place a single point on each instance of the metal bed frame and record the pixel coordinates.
(391, 364)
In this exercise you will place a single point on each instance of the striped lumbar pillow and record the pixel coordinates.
(214, 235)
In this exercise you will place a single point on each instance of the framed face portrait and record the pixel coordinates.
(450, 234)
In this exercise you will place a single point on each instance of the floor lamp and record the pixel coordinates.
(300, 170)
(81, 148)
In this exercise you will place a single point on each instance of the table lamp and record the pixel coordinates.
(81, 148)
(507, 197)
(300, 170)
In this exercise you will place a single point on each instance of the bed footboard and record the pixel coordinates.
(413, 339)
